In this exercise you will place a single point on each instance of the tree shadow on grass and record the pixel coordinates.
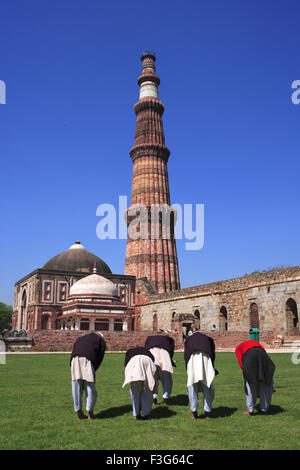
(114, 412)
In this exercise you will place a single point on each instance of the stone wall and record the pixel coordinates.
(63, 340)
(270, 292)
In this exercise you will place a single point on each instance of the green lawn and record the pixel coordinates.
(36, 409)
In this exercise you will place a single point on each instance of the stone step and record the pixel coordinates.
(291, 344)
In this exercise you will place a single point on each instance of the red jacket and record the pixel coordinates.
(243, 347)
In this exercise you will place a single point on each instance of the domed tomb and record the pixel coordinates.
(94, 304)
(77, 259)
(94, 286)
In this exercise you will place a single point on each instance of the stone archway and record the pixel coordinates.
(45, 322)
(223, 324)
(254, 316)
(292, 317)
(173, 319)
(23, 311)
(197, 319)
(154, 323)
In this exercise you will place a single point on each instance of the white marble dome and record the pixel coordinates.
(94, 285)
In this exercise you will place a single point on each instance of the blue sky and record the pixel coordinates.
(226, 70)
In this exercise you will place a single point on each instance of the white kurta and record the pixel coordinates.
(82, 368)
(140, 368)
(162, 359)
(200, 369)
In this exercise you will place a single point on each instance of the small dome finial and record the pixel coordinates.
(95, 269)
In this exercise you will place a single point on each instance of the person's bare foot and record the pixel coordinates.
(91, 415)
(249, 413)
(81, 415)
(194, 415)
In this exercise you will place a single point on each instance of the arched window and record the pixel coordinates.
(223, 325)
(118, 325)
(138, 323)
(197, 319)
(101, 324)
(254, 317)
(45, 320)
(23, 311)
(292, 317)
(173, 321)
(154, 322)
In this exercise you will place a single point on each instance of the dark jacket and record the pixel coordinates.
(257, 366)
(92, 346)
(135, 352)
(161, 341)
(199, 342)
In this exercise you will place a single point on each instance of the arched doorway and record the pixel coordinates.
(23, 311)
(223, 325)
(138, 323)
(173, 321)
(45, 320)
(292, 317)
(254, 317)
(154, 322)
(197, 319)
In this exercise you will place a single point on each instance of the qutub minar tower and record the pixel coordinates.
(153, 256)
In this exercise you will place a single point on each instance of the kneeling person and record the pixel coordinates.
(199, 356)
(86, 357)
(140, 375)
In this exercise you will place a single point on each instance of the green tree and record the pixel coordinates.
(5, 316)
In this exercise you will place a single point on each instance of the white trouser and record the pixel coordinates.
(78, 386)
(141, 398)
(166, 381)
(208, 396)
(263, 391)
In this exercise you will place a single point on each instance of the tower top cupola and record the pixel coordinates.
(148, 80)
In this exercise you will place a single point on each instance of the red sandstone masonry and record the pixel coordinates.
(63, 340)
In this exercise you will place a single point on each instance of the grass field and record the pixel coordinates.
(36, 409)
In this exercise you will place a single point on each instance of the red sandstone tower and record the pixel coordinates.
(152, 254)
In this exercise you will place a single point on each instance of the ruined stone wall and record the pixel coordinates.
(270, 292)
